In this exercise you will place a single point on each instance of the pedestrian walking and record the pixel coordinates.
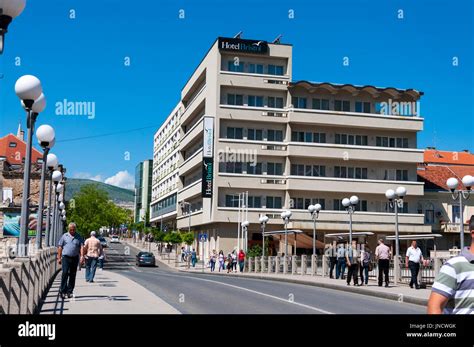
(382, 255)
(453, 289)
(70, 255)
(229, 263)
(241, 260)
(352, 264)
(341, 261)
(92, 250)
(332, 254)
(212, 260)
(234, 260)
(414, 258)
(193, 257)
(365, 264)
(221, 260)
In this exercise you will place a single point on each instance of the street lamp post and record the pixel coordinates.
(395, 200)
(286, 215)
(263, 221)
(29, 91)
(245, 226)
(52, 164)
(45, 135)
(9, 9)
(461, 194)
(61, 208)
(314, 211)
(56, 178)
(350, 206)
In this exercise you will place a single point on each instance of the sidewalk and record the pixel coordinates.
(111, 293)
(401, 293)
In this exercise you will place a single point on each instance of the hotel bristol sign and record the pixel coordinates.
(208, 157)
(243, 46)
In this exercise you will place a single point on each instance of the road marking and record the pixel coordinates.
(254, 292)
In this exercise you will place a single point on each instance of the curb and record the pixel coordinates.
(389, 296)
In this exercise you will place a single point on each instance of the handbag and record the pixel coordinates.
(371, 266)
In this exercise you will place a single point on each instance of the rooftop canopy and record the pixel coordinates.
(361, 233)
(414, 237)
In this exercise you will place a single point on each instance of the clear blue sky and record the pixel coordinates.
(82, 59)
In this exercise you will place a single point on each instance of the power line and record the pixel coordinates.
(108, 134)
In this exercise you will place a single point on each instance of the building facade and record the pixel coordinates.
(441, 211)
(143, 176)
(246, 126)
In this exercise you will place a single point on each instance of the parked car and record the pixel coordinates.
(103, 242)
(145, 258)
(114, 239)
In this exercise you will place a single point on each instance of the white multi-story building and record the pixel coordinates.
(245, 125)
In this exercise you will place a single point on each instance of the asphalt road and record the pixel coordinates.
(210, 294)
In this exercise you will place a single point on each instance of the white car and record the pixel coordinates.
(114, 239)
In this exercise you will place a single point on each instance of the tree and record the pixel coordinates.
(173, 237)
(254, 251)
(92, 209)
(188, 238)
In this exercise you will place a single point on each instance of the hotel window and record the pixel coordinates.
(429, 215)
(342, 105)
(318, 171)
(456, 214)
(274, 135)
(402, 175)
(234, 133)
(320, 104)
(254, 169)
(231, 201)
(340, 171)
(256, 101)
(235, 99)
(337, 205)
(398, 142)
(256, 68)
(275, 70)
(275, 169)
(362, 107)
(230, 167)
(362, 206)
(298, 102)
(255, 134)
(319, 137)
(255, 202)
(275, 102)
(232, 66)
(315, 201)
(273, 202)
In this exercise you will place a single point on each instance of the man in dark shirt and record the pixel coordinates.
(70, 253)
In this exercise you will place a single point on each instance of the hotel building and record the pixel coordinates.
(244, 125)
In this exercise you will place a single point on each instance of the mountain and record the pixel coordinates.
(117, 194)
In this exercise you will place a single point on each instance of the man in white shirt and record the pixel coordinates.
(413, 260)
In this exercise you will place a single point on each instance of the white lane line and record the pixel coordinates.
(255, 292)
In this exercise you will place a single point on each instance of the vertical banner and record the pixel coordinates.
(208, 157)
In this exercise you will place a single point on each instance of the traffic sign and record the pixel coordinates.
(202, 237)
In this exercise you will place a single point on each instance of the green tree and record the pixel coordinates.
(188, 238)
(173, 237)
(254, 251)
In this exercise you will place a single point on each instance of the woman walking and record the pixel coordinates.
(229, 263)
(221, 260)
(234, 260)
(212, 260)
(241, 260)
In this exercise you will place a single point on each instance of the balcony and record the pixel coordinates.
(253, 114)
(355, 120)
(183, 221)
(246, 181)
(190, 191)
(354, 186)
(191, 163)
(196, 131)
(252, 80)
(260, 148)
(193, 105)
(364, 153)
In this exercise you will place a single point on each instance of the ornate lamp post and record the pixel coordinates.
(314, 211)
(350, 206)
(263, 221)
(9, 9)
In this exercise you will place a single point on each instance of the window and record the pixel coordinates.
(275, 102)
(256, 101)
(429, 216)
(308, 137)
(255, 134)
(319, 137)
(402, 175)
(273, 202)
(320, 104)
(340, 171)
(256, 68)
(254, 169)
(232, 66)
(319, 171)
(274, 169)
(362, 107)
(342, 105)
(456, 214)
(231, 201)
(12, 144)
(234, 133)
(337, 205)
(255, 202)
(235, 99)
(298, 102)
(274, 135)
(275, 70)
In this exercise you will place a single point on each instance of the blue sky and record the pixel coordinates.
(82, 59)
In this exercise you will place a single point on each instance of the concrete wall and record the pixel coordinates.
(23, 282)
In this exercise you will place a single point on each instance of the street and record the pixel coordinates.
(210, 294)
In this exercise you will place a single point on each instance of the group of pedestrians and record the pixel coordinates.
(359, 261)
(228, 262)
(73, 253)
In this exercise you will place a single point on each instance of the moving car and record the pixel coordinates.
(114, 239)
(103, 242)
(145, 258)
